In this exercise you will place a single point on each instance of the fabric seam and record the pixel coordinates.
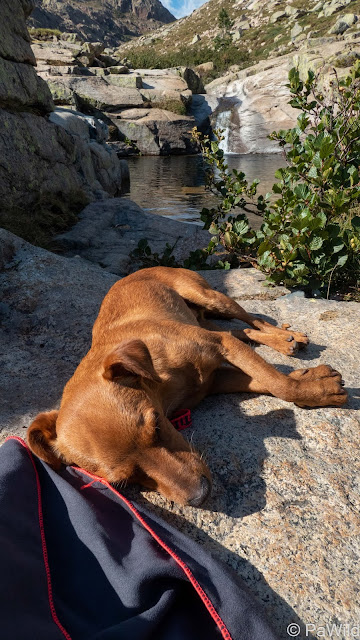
(43, 540)
(198, 588)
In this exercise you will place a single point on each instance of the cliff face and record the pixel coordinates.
(47, 171)
(108, 21)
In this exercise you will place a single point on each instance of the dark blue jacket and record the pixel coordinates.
(79, 561)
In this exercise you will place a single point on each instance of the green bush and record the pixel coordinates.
(149, 58)
(310, 236)
(169, 104)
(43, 34)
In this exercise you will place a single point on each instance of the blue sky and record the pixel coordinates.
(180, 8)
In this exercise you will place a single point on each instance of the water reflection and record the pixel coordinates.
(175, 185)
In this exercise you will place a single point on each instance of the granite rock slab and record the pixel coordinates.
(284, 511)
(107, 232)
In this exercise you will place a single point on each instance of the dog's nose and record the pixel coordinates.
(202, 494)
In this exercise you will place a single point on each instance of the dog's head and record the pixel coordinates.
(115, 427)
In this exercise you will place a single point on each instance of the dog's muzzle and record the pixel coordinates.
(203, 493)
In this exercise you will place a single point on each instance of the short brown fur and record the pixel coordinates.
(153, 353)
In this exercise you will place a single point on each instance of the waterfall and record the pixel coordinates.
(226, 119)
(251, 105)
(222, 123)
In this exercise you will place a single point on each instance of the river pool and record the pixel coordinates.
(175, 185)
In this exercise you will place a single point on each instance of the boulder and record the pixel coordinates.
(14, 36)
(339, 27)
(93, 91)
(195, 39)
(93, 48)
(107, 61)
(192, 79)
(98, 93)
(119, 69)
(41, 157)
(156, 131)
(296, 30)
(86, 127)
(277, 16)
(160, 98)
(236, 36)
(169, 79)
(47, 168)
(349, 18)
(55, 54)
(130, 80)
(243, 25)
(329, 8)
(60, 90)
(294, 12)
(345, 59)
(106, 233)
(204, 68)
(22, 89)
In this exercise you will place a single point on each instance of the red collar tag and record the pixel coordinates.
(182, 420)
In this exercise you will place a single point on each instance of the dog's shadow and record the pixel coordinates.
(236, 454)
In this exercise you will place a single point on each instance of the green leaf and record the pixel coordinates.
(312, 173)
(355, 223)
(277, 187)
(316, 243)
(354, 175)
(342, 260)
(327, 147)
(240, 227)
(302, 191)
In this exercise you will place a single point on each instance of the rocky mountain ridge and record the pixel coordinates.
(257, 31)
(110, 21)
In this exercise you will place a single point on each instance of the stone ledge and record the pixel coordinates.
(284, 511)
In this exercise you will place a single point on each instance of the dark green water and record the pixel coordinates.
(174, 185)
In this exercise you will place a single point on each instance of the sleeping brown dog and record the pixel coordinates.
(153, 353)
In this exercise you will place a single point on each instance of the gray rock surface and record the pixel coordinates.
(254, 102)
(285, 506)
(14, 36)
(42, 161)
(22, 89)
(107, 21)
(108, 231)
(93, 91)
(156, 131)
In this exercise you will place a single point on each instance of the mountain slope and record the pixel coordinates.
(108, 21)
(260, 29)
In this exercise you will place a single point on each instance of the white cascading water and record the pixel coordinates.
(226, 119)
(222, 124)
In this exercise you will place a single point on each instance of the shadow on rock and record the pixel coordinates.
(354, 398)
(236, 458)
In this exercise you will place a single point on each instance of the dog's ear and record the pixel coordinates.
(41, 436)
(130, 359)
